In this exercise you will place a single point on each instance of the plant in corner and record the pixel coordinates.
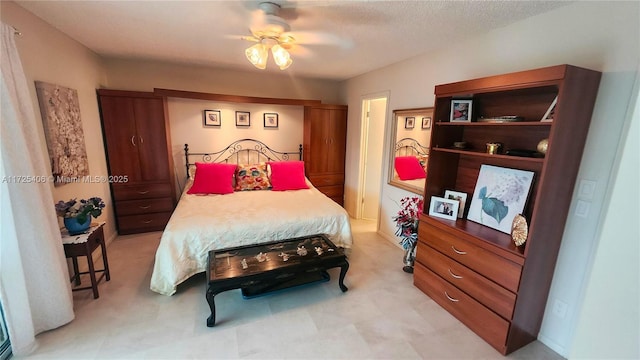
(77, 214)
(407, 227)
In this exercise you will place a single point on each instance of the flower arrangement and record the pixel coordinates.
(80, 209)
(407, 221)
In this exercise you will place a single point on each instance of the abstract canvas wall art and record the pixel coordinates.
(60, 111)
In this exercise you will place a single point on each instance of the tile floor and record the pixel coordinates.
(382, 316)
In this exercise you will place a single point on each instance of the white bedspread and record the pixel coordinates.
(203, 223)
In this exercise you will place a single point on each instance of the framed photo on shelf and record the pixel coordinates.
(270, 120)
(461, 110)
(458, 196)
(548, 116)
(409, 122)
(426, 122)
(243, 118)
(444, 208)
(212, 118)
(500, 194)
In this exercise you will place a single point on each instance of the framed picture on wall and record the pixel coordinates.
(243, 118)
(426, 122)
(270, 120)
(409, 122)
(461, 110)
(212, 118)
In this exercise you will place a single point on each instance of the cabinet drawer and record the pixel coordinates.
(489, 326)
(141, 191)
(145, 206)
(492, 295)
(494, 267)
(132, 224)
(324, 180)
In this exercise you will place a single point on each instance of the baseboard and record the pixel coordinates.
(553, 346)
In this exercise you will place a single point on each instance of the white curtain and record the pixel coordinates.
(34, 287)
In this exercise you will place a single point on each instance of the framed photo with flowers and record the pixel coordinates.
(444, 208)
(212, 118)
(270, 120)
(243, 118)
(461, 110)
(500, 194)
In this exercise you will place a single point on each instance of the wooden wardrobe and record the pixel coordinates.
(324, 149)
(136, 136)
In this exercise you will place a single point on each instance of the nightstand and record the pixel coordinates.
(84, 245)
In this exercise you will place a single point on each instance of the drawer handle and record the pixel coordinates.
(143, 192)
(454, 275)
(147, 222)
(458, 251)
(144, 207)
(450, 298)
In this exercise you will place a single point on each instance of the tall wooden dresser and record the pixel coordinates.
(324, 148)
(136, 134)
(499, 290)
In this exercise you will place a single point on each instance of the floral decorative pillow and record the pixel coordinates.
(252, 177)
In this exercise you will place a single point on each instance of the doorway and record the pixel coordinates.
(374, 115)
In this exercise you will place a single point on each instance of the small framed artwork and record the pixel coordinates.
(426, 122)
(409, 122)
(212, 118)
(243, 118)
(461, 110)
(548, 116)
(444, 208)
(270, 120)
(460, 197)
(500, 194)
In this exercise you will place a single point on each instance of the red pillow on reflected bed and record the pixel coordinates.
(409, 168)
(213, 179)
(287, 175)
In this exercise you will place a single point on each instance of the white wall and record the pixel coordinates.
(146, 75)
(602, 36)
(186, 117)
(612, 295)
(50, 56)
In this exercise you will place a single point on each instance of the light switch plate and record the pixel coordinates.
(586, 189)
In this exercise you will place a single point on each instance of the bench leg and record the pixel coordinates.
(211, 321)
(343, 271)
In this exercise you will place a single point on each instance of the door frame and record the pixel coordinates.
(364, 133)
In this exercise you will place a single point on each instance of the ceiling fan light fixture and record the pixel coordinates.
(257, 55)
(281, 56)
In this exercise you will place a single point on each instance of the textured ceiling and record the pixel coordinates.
(341, 39)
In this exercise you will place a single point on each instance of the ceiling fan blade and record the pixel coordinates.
(319, 38)
(242, 37)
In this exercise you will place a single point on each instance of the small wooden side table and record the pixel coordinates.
(84, 245)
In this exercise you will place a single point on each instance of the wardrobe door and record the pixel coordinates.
(151, 138)
(118, 121)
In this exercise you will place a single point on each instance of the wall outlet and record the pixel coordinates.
(560, 308)
(582, 208)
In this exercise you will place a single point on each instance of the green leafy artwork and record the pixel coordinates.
(492, 206)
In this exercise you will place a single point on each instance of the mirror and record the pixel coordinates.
(411, 136)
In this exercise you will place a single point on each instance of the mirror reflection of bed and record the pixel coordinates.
(410, 148)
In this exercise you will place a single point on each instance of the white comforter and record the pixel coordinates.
(203, 223)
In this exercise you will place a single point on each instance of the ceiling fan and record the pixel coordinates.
(269, 30)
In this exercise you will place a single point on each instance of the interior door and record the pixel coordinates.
(373, 158)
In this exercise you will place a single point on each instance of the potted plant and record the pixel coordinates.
(77, 214)
(407, 228)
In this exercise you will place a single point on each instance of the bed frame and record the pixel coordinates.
(244, 151)
(410, 146)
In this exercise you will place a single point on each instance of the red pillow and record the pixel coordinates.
(213, 179)
(287, 175)
(408, 168)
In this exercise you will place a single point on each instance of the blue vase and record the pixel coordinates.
(74, 227)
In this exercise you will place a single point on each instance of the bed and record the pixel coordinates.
(201, 223)
(410, 162)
